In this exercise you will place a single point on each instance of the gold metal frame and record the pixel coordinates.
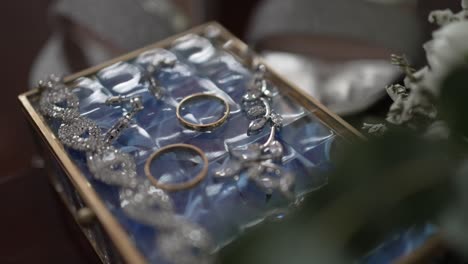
(231, 44)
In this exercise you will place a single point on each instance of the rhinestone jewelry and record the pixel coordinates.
(125, 120)
(259, 159)
(57, 101)
(82, 134)
(257, 103)
(113, 167)
(256, 111)
(178, 242)
(147, 195)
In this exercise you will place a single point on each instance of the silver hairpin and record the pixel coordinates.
(259, 160)
(154, 87)
(125, 120)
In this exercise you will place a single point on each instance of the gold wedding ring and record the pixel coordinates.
(177, 186)
(202, 127)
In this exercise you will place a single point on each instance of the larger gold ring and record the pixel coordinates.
(177, 186)
(202, 127)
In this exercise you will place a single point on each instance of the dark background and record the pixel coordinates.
(35, 228)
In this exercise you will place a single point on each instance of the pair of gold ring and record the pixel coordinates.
(199, 127)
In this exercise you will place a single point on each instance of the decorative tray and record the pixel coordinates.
(168, 153)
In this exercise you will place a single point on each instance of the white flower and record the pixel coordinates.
(442, 17)
(446, 16)
(414, 102)
(448, 47)
(447, 50)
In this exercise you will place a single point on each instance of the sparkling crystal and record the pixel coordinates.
(256, 111)
(150, 197)
(267, 92)
(54, 79)
(277, 119)
(259, 84)
(114, 100)
(252, 95)
(260, 69)
(56, 103)
(178, 245)
(112, 167)
(197, 237)
(249, 104)
(83, 134)
(257, 125)
(137, 104)
(116, 130)
(155, 89)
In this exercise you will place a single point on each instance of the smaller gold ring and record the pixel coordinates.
(177, 186)
(202, 127)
